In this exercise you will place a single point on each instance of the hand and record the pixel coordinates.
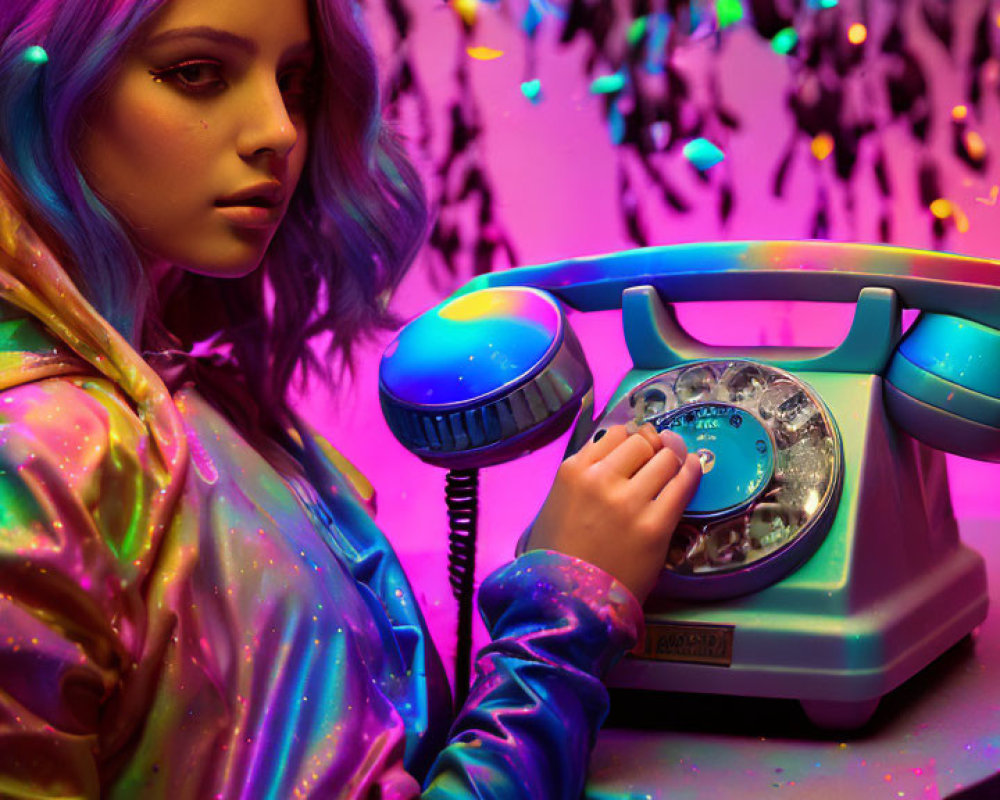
(615, 503)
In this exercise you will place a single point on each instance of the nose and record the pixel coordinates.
(268, 128)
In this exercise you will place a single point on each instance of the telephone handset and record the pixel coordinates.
(819, 558)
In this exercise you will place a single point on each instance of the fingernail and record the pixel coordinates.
(631, 427)
(675, 443)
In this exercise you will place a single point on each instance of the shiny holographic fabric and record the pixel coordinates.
(183, 615)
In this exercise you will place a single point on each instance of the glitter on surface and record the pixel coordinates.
(936, 733)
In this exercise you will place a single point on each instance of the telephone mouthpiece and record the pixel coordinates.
(483, 378)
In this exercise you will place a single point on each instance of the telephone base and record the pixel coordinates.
(852, 660)
(889, 590)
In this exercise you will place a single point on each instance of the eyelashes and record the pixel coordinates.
(299, 85)
(195, 76)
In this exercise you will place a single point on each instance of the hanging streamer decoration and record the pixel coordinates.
(855, 74)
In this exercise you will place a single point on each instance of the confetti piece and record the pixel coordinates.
(532, 90)
(959, 112)
(636, 31)
(656, 44)
(616, 125)
(728, 12)
(857, 33)
(821, 146)
(822, 3)
(608, 84)
(784, 40)
(659, 131)
(961, 220)
(975, 145)
(702, 154)
(36, 55)
(466, 9)
(532, 19)
(941, 208)
(992, 199)
(483, 53)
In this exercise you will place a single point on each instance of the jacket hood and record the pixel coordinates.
(48, 328)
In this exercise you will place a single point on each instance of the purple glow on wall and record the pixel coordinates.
(556, 177)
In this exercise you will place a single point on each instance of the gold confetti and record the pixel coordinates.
(941, 208)
(992, 199)
(466, 9)
(483, 53)
(975, 145)
(822, 146)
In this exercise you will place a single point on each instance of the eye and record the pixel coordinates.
(193, 76)
(300, 88)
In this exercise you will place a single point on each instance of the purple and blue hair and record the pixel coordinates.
(353, 227)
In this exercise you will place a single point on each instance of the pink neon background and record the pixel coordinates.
(554, 170)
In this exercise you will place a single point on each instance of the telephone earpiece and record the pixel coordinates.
(943, 385)
(478, 380)
(483, 378)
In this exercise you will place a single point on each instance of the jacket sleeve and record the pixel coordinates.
(69, 625)
(529, 724)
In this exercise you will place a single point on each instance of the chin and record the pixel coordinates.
(238, 270)
(231, 262)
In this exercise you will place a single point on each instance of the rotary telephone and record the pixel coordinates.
(819, 559)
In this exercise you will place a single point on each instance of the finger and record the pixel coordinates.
(594, 451)
(629, 456)
(675, 443)
(648, 432)
(669, 505)
(654, 475)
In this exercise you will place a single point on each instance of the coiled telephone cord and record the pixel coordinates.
(461, 495)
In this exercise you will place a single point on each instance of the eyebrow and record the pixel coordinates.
(220, 37)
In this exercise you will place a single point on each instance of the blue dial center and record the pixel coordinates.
(736, 452)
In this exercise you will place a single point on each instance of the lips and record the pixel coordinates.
(258, 206)
(261, 195)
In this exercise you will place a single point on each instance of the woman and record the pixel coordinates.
(193, 600)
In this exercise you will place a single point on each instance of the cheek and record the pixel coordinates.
(140, 151)
(153, 141)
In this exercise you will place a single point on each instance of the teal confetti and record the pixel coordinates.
(36, 55)
(822, 3)
(608, 84)
(702, 154)
(532, 90)
(784, 40)
(616, 125)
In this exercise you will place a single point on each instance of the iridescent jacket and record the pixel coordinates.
(180, 619)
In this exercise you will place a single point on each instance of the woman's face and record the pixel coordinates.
(201, 138)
